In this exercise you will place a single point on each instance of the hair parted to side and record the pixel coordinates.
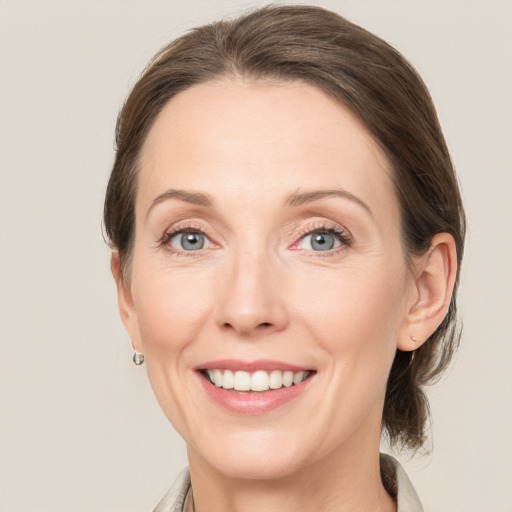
(378, 85)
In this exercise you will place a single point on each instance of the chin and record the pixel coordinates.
(257, 455)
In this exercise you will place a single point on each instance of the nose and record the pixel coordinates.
(252, 302)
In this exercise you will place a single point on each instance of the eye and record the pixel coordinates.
(320, 241)
(324, 239)
(189, 241)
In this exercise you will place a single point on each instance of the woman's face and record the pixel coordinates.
(267, 249)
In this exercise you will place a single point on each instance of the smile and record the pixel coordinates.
(255, 387)
(259, 380)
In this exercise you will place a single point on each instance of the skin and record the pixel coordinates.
(258, 290)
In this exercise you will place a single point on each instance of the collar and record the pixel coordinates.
(394, 478)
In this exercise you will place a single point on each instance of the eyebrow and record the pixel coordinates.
(195, 198)
(301, 198)
(295, 199)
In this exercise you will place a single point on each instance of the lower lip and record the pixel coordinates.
(252, 403)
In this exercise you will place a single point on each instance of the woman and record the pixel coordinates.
(286, 232)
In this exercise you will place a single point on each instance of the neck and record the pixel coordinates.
(345, 481)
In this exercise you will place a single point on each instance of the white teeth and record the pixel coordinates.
(297, 378)
(242, 381)
(287, 379)
(257, 381)
(217, 378)
(229, 380)
(275, 380)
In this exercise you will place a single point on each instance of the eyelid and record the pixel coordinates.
(185, 227)
(343, 235)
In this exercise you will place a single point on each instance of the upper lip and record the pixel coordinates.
(250, 366)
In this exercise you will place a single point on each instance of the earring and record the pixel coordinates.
(413, 338)
(138, 358)
(419, 305)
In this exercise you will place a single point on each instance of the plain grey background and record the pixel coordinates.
(79, 427)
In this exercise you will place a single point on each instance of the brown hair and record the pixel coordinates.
(378, 85)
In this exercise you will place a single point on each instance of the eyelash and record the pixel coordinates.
(343, 236)
(169, 235)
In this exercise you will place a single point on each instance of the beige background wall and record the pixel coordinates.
(79, 427)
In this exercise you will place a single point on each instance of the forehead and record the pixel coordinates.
(261, 140)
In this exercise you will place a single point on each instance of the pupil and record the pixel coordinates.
(322, 241)
(193, 241)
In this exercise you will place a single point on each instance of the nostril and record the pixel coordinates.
(245, 327)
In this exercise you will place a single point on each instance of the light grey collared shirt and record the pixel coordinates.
(394, 479)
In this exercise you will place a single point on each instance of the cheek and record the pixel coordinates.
(354, 319)
(353, 301)
(171, 308)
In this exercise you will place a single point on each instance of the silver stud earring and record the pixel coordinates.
(413, 338)
(138, 358)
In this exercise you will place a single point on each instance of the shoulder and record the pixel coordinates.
(397, 484)
(175, 497)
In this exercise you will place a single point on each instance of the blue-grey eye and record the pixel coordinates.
(189, 241)
(320, 241)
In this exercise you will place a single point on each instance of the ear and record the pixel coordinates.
(125, 301)
(434, 279)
